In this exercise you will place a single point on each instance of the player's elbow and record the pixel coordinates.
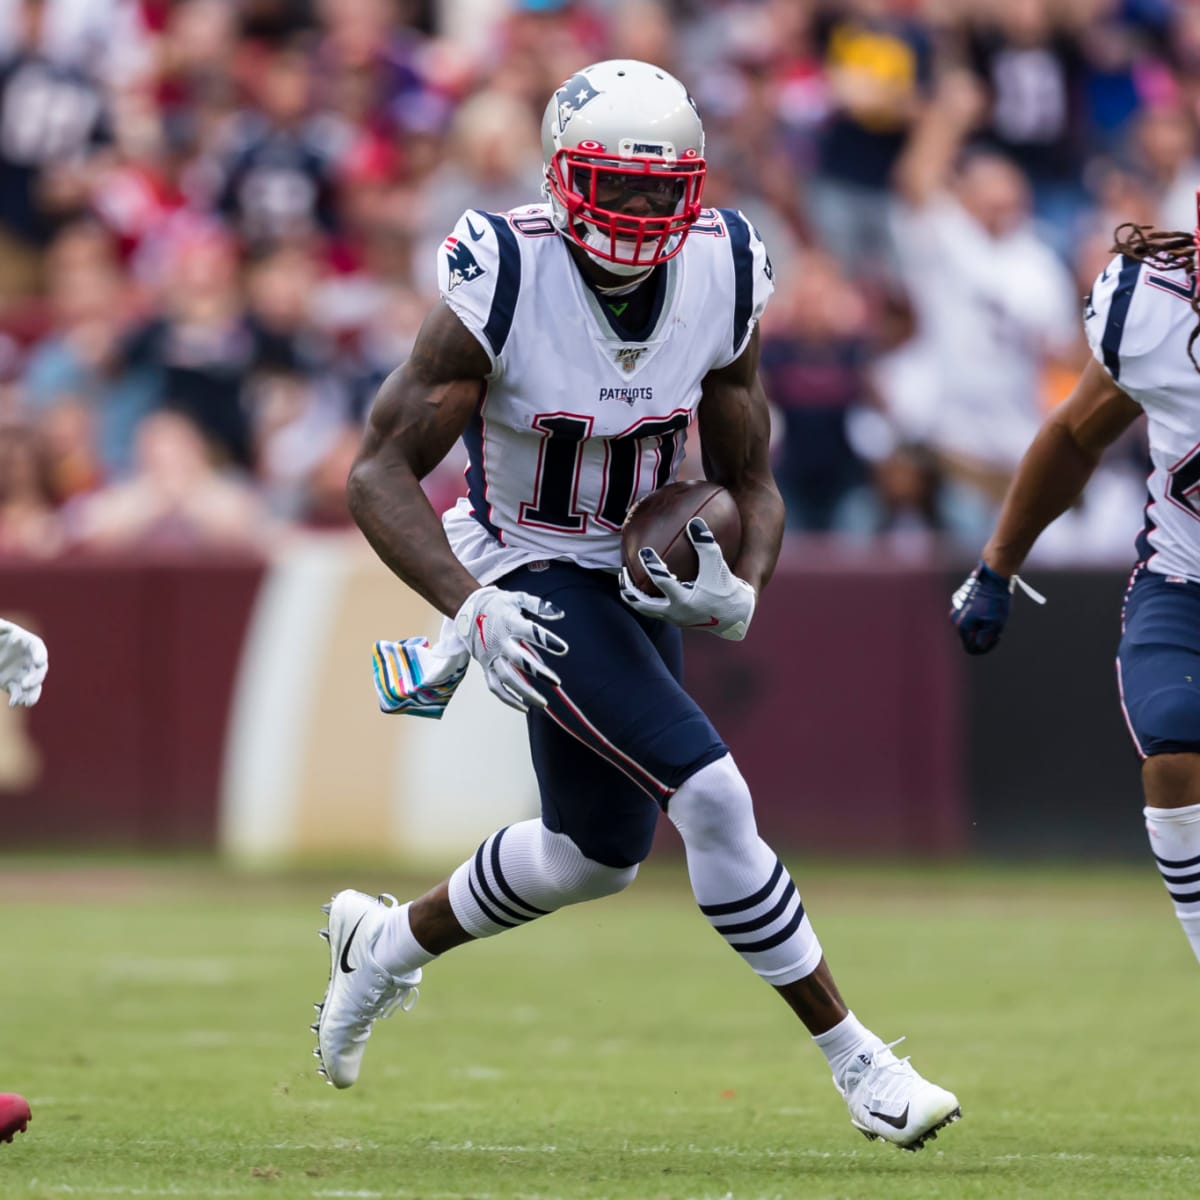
(360, 489)
(1071, 443)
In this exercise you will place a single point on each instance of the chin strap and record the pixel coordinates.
(623, 289)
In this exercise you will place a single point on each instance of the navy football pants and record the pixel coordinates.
(1158, 664)
(620, 735)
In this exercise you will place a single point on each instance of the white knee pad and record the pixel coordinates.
(713, 807)
(524, 872)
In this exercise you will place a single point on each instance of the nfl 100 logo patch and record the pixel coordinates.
(627, 356)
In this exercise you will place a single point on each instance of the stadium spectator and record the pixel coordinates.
(29, 521)
(174, 499)
(1164, 144)
(68, 432)
(194, 79)
(204, 345)
(993, 303)
(91, 304)
(1032, 67)
(279, 170)
(53, 121)
(493, 156)
(111, 39)
(878, 62)
(373, 70)
(815, 357)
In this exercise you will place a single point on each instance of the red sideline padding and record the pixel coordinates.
(128, 739)
(842, 706)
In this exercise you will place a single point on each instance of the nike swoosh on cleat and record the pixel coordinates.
(471, 230)
(345, 963)
(895, 1122)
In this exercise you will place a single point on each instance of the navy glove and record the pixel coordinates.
(979, 609)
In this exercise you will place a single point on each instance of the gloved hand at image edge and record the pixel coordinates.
(23, 664)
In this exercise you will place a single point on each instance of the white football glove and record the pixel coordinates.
(23, 664)
(499, 631)
(717, 601)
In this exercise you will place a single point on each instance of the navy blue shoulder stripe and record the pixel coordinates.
(743, 272)
(508, 284)
(1118, 310)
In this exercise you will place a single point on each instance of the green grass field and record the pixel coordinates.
(156, 1017)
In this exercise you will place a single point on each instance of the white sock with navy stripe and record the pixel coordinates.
(1175, 841)
(739, 883)
(524, 872)
(396, 949)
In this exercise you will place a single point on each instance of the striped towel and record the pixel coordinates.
(413, 677)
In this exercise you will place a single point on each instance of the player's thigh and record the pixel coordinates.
(1158, 666)
(621, 697)
(609, 817)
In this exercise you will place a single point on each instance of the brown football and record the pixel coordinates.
(659, 520)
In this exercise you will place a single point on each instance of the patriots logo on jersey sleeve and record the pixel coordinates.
(462, 264)
(572, 96)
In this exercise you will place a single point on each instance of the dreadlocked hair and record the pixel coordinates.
(1168, 250)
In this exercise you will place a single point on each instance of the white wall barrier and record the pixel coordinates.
(312, 766)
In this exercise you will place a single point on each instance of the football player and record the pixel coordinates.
(1142, 319)
(574, 343)
(23, 664)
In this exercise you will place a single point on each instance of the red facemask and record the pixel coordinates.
(642, 208)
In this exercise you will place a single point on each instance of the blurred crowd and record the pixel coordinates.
(219, 221)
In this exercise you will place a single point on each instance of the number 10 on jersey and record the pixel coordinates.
(555, 503)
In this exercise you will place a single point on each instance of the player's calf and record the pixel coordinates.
(739, 883)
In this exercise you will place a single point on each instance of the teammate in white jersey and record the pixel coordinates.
(574, 343)
(1142, 319)
(23, 665)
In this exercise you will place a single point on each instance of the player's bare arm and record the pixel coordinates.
(735, 427)
(419, 413)
(1058, 464)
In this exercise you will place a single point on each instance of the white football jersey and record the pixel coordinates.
(577, 422)
(1138, 319)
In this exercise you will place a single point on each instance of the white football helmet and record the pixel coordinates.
(624, 152)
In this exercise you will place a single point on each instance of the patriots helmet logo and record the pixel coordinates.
(461, 263)
(572, 96)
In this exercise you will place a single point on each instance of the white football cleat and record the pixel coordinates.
(889, 1100)
(360, 991)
